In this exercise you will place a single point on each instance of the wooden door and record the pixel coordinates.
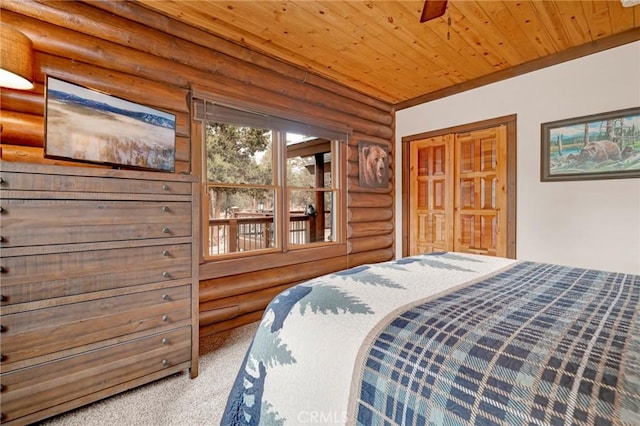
(431, 195)
(480, 214)
(458, 193)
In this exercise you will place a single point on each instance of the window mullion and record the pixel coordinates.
(281, 168)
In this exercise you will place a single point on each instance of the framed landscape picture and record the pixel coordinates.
(599, 146)
(90, 126)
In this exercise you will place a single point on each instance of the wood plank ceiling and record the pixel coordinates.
(380, 47)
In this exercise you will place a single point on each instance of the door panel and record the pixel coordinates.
(431, 202)
(481, 192)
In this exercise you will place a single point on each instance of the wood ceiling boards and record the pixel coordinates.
(380, 47)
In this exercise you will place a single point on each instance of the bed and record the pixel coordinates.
(446, 338)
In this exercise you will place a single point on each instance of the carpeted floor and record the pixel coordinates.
(175, 400)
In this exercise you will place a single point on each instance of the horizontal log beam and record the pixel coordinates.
(368, 257)
(369, 229)
(213, 316)
(368, 214)
(228, 325)
(368, 199)
(366, 244)
(22, 129)
(24, 101)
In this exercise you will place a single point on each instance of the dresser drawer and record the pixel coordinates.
(46, 276)
(43, 222)
(37, 388)
(31, 334)
(13, 181)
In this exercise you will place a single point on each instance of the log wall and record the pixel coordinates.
(128, 51)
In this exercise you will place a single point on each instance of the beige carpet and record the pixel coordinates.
(175, 400)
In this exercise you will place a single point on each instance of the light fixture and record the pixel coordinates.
(629, 3)
(16, 59)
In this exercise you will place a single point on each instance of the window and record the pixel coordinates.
(242, 190)
(311, 193)
(271, 184)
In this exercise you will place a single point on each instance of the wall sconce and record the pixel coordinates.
(16, 59)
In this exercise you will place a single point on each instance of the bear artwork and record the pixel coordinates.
(373, 165)
(599, 151)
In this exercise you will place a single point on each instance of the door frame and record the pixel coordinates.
(510, 122)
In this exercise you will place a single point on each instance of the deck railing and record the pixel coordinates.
(230, 235)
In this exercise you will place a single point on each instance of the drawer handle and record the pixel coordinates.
(165, 208)
(2, 357)
(2, 269)
(3, 298)
(165, 187)
(166, 230)
(165, 341)
(3, 328)
(165, 252)
(165, 318)
(166, 274)
(1, 210)
(165, 362)
(165, 297)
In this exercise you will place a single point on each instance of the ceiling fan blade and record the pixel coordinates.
(433, 9)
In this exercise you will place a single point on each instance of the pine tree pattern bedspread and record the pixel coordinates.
(446, 339)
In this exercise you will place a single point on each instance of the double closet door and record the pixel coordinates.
(458, 193)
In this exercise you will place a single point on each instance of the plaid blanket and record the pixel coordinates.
(451, 339)
(535, 344)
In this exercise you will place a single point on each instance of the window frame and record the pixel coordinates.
(334, 189)
(276, 256)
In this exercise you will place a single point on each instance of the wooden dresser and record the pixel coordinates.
(99, 284)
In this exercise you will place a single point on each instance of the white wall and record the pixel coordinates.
(593, 224)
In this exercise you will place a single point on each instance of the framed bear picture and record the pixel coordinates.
(599, 146)
(373, 164)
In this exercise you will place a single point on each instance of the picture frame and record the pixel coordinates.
(373, 164)
(86, 125)
(597, 146)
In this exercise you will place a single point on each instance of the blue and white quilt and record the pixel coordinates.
(451, 339)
